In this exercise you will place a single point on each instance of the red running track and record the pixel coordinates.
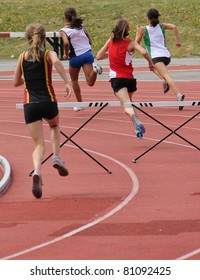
(148, 210)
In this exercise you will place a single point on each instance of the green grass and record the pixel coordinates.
(99, 17)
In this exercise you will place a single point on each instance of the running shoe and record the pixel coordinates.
(60, 166)
(37, 184)
(180, 98)
(165, 87)
(76, 109)
(98, 69)
(140, 130)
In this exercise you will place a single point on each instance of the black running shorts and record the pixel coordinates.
(165, 60)
(42, 110)
(119, 83)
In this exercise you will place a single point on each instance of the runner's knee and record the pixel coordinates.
(53, 126)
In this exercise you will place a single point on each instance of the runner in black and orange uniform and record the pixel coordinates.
(34, 70)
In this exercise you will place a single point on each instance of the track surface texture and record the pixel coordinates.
(144, 210)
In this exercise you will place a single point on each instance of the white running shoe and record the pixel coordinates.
(180, 97)
(98, 69)
(76, 109)
(59, 164)
(37, 184)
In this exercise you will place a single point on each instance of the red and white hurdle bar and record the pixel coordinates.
(53, 37)
(127, 104)
(50, 34)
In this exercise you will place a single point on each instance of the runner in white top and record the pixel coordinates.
(154, 39)
(77, 48)
(79, 41)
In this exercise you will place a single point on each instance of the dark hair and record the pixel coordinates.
(153, 16)
(120, 30)
(71, 16)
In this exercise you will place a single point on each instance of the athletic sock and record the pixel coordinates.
(135, 119)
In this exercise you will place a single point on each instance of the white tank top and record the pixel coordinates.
(155, 43)
(79, 42)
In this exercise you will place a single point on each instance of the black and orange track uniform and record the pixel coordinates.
(37, 80)
(39, 95)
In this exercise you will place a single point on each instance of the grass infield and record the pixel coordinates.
(99, 17)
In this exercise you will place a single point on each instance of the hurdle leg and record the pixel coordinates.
(182, 136)
(86, 153)
(171, 132)
(174, 131)
(134, 160)
(69, 138)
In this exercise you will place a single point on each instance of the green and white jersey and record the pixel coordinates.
(155, 43)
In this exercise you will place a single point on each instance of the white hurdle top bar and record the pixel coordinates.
(50, 34)
(82, 104)
(162, 104)
(127, 104)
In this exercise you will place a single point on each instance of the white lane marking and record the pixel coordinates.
(189, 255)
(186, 256)
(131, 195)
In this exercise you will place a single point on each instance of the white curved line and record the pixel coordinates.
(109, 132)
(134, 190)
(189, 255)
(130, 196)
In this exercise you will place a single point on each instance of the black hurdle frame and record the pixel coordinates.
(70, 139)
(171, 132)
(57, 44)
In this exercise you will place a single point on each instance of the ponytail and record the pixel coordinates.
(154, 22)
(35, 33)
(76, 23)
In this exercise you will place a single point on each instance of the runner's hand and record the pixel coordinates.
(68, 90)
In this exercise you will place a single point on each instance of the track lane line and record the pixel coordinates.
(131, 195)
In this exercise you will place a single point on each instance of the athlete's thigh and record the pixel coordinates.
(87, 69)
(123, 95)
(36, 131)
(161, 68)
(53, 122)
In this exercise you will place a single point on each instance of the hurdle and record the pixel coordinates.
(136, 105)
(52, 37)
(100, 104)
(139, 105)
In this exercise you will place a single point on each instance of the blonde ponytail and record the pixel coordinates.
(35, 34)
